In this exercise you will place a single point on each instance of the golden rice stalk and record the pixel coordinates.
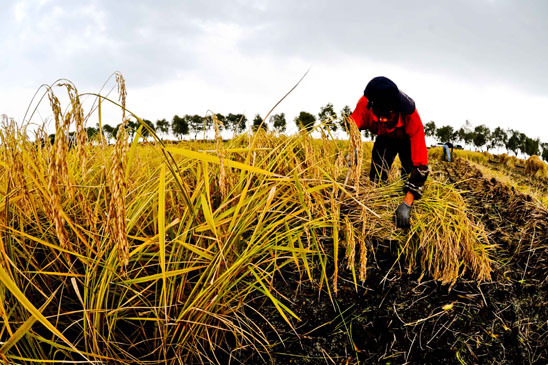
(221, 153)
(60, 146)
(58, 171)
(308, 238)
(363, 258)
(445, 240)
(335, 217)
(117, 183)
(355, 151)
(55, 214)
(41, 138)
(350, 244)
(338, 166)
(326, 147)
(78, 117)
(14, 159)
(117, 208)
(122, 93)
(309, 155)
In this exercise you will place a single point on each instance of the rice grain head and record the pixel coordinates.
(355, 151)
(221, 153)
(350, 244)
(363, 258)
(58, 172)
(118, 231)
(118, 186)
(78, 117)
(122, 93)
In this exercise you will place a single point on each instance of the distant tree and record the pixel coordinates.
(513, 142)
(498, 138)
(305, 120)
(231, 121)
(179, 126)
(482, 134)
(108, 131)
(195, 124)
(522, 143)
(278, 122)
(145, 132)
(430, 129)
(531, 146)
(242, 124)
(237, 122)
(92, 132)
(328, 116)
(207, 124)
(131, 127)
(460, 135)
(545, 151)
(445, 134)
(258, 121)
(343, 115)
(162, 126)
(465, 134)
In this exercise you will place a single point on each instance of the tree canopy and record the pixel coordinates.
(278, 122)
(445, 134)
(479, 137)
(305, 121)
(258, 123)
(328, 116)
(180, 126)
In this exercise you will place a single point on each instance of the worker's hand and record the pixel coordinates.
(402, 215)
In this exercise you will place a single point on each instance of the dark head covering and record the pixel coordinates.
(384, 96)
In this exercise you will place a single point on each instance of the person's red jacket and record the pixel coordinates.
(410, 125)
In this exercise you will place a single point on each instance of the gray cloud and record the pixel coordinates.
(487, 41)
(148, 44)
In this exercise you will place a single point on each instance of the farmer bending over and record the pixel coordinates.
(391, 115)
(447, 151)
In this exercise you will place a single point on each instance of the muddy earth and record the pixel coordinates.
(399, 319)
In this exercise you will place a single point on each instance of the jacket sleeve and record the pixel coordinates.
(415, 130)
(419, 155)
(359, 116)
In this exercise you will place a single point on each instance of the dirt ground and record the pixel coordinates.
(399, 319)
(520, 177)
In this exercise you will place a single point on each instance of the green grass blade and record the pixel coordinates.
(216, 160)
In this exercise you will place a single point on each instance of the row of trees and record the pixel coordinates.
(193, 125)
(482, 137)
(479, 137)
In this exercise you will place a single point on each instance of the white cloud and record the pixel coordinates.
(482, 61)
(20, 10)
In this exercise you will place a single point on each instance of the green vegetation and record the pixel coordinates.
(159, 253)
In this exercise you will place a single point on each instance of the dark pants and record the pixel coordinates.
(385, 150)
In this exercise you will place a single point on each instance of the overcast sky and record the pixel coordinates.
(477, 60)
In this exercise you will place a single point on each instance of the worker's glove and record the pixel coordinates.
(402, 215)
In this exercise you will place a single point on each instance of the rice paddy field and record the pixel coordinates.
(261, 249)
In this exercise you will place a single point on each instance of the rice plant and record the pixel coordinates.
(152, 253)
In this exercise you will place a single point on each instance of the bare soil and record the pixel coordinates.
(400, 319)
